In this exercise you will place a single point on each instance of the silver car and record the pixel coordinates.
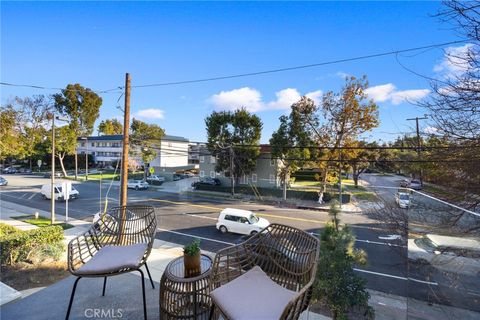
(137, 184)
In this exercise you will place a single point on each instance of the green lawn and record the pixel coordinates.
(106, 176)
(42, 221)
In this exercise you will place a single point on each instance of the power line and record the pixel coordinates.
(256, 73)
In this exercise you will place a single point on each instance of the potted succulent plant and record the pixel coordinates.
(191, 258)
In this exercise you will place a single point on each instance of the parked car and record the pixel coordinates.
(240, 221)
(25, 170)
(404, 183)
(402, 198)
(3, 181)
(415, 185)
(207, 181)
(158, 179)
(46, 191)
(453, 254)
(10, 170)
(49, 174)
(137, 184)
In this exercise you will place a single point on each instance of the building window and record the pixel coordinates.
(202, 159)
(93, 144)
(212, 174)
(213, 159)
(202, 174)
(272, 178)
(254, 177)
(272, 163)
(83, 144)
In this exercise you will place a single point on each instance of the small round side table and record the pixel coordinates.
(185, 298)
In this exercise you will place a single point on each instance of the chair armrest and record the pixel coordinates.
(300, 303)
(230, 263)
(81, 249)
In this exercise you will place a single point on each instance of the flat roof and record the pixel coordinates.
(237, 212)
(119, 137)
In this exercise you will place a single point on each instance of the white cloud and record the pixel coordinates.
(237, 98)
(388, 92)
(151, 113)
(252, 100)
(380, 93)
(343, 75)
(454, 62)
(430, 130)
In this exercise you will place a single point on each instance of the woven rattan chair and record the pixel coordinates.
(269, 276)
(119, 242)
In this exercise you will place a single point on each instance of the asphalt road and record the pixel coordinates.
(181, 218)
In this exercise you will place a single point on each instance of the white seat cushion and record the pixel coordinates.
(253, 295)
(113, 258)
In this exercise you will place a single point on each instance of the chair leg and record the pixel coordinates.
(104, 285)
(150, 276)
(144, 299)
(71, 298)
(212, 311)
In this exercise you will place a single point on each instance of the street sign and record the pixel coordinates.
(151, 170)
(39, 163)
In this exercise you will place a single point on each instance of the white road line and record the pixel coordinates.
(33, 195)
(381, 243)
(199, 216)
(194, 236)
(396, 277)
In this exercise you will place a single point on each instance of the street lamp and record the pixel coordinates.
(86, 157)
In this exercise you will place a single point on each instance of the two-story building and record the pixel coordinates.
(265, 174)
(107, 150)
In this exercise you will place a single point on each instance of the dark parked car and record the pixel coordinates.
(49, 174)
(207, 181)
(25, 170)
(10, 170)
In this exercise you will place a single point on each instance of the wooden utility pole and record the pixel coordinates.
(126, 127)
(418, 144)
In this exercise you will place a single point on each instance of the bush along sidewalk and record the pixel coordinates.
(22, 246)
(337, 287)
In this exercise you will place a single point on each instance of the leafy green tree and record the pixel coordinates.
(336, 284)
(342, 117)
(82, 107)
(145, 138)
(110, 126)
(360, 159)
(291, 144)
(10, 136)
(237, 131)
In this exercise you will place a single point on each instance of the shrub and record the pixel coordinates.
(6, 229)
(19, 245)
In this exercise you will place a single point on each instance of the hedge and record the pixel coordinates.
(291, 194)
(18, 245)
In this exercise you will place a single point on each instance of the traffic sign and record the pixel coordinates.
(151, 170)
(39, 163)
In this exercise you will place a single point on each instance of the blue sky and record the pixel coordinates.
(94, 44)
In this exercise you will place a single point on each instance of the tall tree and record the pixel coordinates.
(454, 104)
(10, 136)
(291, 143)
(146, 139)
(360, 159)
(341, 117)
(110, 126)
(82, 107)
(32, 123)
(238, 132)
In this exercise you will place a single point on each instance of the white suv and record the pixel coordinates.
(240, 221)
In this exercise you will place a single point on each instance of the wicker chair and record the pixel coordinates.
(114, 245)
(269, 276)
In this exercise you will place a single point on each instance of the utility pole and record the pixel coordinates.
(232, 178)
(418, 144)
(52, 178)
(76, 162)
(340, 182)
(126, 125)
